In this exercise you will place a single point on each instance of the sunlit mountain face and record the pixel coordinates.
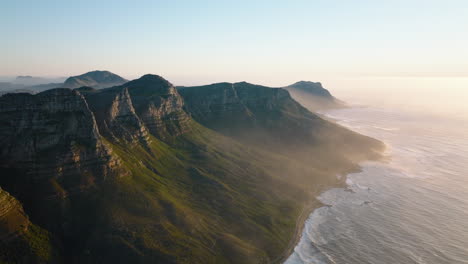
(234, 132)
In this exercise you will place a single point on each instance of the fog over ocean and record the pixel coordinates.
(412, 208)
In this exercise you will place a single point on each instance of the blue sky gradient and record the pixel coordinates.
(202, 41)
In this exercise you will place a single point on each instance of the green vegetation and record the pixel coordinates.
(204, 199)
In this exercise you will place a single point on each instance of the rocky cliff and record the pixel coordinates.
(52, 154)
(115, 114)
(52, 133)
(148, 104)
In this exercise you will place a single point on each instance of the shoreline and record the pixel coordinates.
(309, 209)
(300, 224)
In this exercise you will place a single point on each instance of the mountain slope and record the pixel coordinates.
(95, 79)
(20, 240)
(125, 175)
(270, 118)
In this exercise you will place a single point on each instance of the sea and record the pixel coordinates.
(411, 207)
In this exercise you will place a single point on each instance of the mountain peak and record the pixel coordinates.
(149, 84)
(95, 79)
(151, 79)
(314, 88)
(306, 83)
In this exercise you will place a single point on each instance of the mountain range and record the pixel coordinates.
(144, 172)
(31, 84)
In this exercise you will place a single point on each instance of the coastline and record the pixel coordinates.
(309, 209)
(300, 223)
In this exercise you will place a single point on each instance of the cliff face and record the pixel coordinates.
(52, 133)
(52, 154)
(115, 114)
(159, 106)
(147, 105)
(212, 103)
(95, 79)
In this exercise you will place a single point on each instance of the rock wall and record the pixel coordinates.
(51, 137)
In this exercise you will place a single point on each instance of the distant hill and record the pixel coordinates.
(95, 79)
(313, 96)
(31, 84)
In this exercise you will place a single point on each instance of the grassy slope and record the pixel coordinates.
(204, 199)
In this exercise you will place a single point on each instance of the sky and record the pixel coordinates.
(269, 42)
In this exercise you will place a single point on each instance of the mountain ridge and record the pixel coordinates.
(144, 172)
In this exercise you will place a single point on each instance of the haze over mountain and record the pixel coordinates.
(28, 80)
(143, 172)
(29, 84)
(313, 96)
(95, 79)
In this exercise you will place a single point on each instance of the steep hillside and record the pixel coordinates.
(125, 175)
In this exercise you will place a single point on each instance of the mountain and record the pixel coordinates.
(95, 79)
(260, 115)
(313, 96)
(145, 173)
(314, 88)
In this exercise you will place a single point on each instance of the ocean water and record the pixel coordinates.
(411, 208)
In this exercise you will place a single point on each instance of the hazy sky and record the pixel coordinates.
(270, 42)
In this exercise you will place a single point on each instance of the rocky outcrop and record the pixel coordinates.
(95, 79)
(159, 105)
(115, 114)
(149, 104)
